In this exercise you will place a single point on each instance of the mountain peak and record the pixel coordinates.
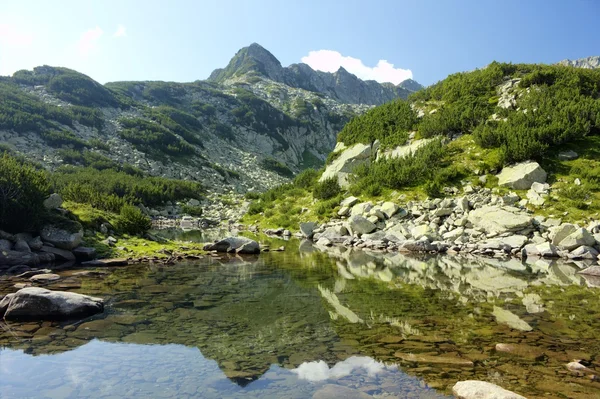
(253, 58)
(588, 63)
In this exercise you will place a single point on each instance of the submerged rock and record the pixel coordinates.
(512, 320)
(482, 390)
(42, 304)
(240, 245)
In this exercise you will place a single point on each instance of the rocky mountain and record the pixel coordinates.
(250, 126)
(342, 86)
(588, 63)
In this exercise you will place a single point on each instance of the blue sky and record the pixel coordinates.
(181, 40)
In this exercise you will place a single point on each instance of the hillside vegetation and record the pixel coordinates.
(484, 120)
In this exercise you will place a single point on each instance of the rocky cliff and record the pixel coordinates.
(588, 63)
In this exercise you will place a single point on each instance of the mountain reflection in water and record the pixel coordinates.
(304, 323)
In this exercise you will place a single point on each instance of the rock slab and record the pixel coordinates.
(472, 389)
(34, 303)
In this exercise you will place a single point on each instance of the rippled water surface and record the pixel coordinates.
(303, 324)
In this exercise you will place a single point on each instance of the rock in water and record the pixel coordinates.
(522, 175)
(240, 245)
(512, 320)
(482, 390)
(33, 303)
(307, 229)
(61, 238)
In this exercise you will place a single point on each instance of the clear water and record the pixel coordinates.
(304, 324)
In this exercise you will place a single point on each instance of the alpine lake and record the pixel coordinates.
(305, 323)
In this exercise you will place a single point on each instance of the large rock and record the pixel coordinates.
(61, 238)
(360, 225)
(21, 246)
(240, 245)
(307, 229)
(576, 239)
(349, 202)
(348, 160)
(5, 245)
(53, 201)
(12, 258)
(42, 304)
(84, 253)
(522, 175)
(472, 389)
(389, 209)
(493, 220)
(507, 317)
(559, 233)
(60, 254)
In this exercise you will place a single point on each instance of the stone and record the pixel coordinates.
(535, 198)
(5, 245)
(53, 201)
(332, 391)
(241, 245)
(341, 168)
(324, 242)
(344, 211)
(494, 220)
(453, 234)
(522, 175)
(559, 233)
(429, 359)
(59, 253)
(584, 252)
(472, 389)
(307, 229)
(545, 250)
(577, 182)
(463, 204)
(360, 225)
(423, 230)
(61, 238)
(36, 243)
(84, 253)
(44, 278)
(507, 317)
(21, 246)
(360, 209)
(567, 155)
(576, 239)
(349, 202)
(591, 271)
(416, 246)
(34, 303)
(389, 209)
(13, 258)
(540, 188)
(521, 350)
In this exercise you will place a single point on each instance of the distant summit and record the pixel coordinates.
(341, 85)
(587, 63)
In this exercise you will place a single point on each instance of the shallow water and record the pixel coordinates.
(302, 324)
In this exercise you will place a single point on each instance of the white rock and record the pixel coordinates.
(522, 175)
(472, 389)
(349, 159)
(504, 316)
(576, 239)
(389, 209)
(559, 233)
(493, 220)
(360, 225)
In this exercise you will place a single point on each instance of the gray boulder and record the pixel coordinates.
(576, 239)
(5, 245)
(240, 245)
(59, 254)
(36, 243)
(472, 389)
(522, 175)
(53, 201)
(584, 252)
(360, 225)
(84, 253)
(21, 246)
(34, 303)
(349, 202)
(307, 229)
(416, 246)
(12, 258)
(389, 209)
(493, 220)
(544, 250)
(61, 238)
(560, 232)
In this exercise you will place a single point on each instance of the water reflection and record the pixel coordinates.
(299, 321)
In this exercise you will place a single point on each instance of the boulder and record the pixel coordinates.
(84, 253)
(42, 304)
(535, 198)
(240, 245)
(507, 317)
(584, 252)
(44, 278)
(348, 160)
(360, 225)
(576, 239)
(307, 229)
(53, 201)
(344, 211)
(349, 202)
(522, 175)
(12, 258)
(567, 155)
(494, 220)
(389, 209)
(106, 262)
(60, 254)
(472, 389)
(545, 250)
(416, 246)
(36, 243)
(5, 245)
(21, 246)
(61, 238)
(422, 230)
(360, 209)
(559, 233)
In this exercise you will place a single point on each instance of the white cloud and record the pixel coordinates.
(320, 371)
(88, 40)
(331, 61)
(120, 32)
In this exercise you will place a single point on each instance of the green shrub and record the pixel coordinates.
(23, 189)
(306, 179)
(131, 220)
(327, 189)
(277, 167)
(192, 210)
